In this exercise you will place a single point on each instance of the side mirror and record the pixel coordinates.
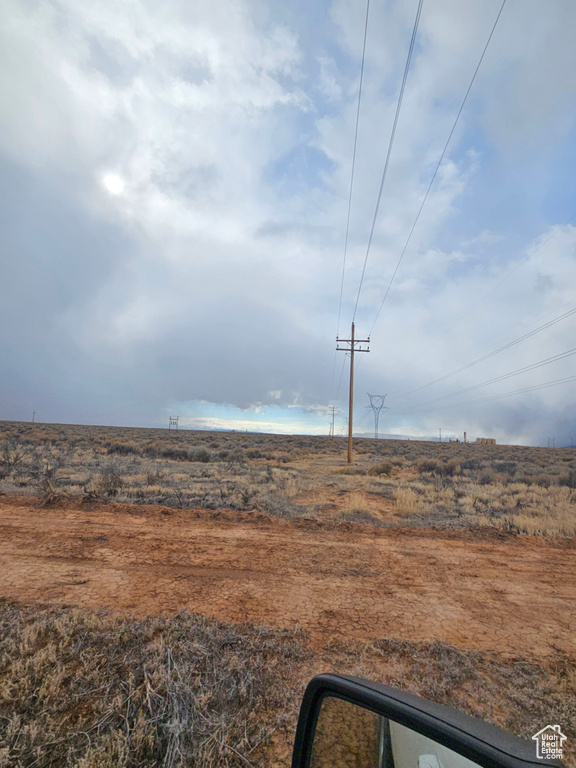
(354, 723)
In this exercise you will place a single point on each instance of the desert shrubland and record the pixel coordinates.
(391, 482)
(81, 688)
(90, 689)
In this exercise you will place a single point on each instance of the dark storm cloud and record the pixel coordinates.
(175, 189)
(55, 258)
(64, 271)
(236, 352)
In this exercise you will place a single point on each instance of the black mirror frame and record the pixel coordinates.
(480, 742)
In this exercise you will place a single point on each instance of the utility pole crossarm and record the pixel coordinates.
(353, 341)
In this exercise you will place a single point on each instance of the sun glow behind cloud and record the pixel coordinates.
(207, 157)
(114, 183)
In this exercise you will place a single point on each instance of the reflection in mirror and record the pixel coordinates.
(346, 735)
(349, 736)
(412, 749)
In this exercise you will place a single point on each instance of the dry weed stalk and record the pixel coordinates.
(79, 688)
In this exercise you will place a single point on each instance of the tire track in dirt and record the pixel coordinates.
(510, 594)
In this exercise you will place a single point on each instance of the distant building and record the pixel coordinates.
(485, 441)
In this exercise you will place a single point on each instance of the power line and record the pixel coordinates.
(341, 374)
(546, 385)
(495, 352)
(350, 192)
(353, 165)
(363, 419)
(527, 258)
(332, 432)
(488, 293)
(438, 165)
(377, 404)
(390, 144)
(352, 349)
(542, 363)
(356, 366)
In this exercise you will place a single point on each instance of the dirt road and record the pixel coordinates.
(511, 594)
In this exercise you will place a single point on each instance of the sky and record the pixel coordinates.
(175, 182)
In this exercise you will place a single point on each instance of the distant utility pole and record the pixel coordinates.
(333, 409)
(440, 429)
(173, 422)
(551, 442)
(351, 349)
(33, 416)
(377, 404)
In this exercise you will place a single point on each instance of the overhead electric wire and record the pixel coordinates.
(350, 192)
(517, 372)
(390, 144)
(340, 379)
(353, 162)
(520, 264)
(546, 385)
(540, 328)
(438, 165)
(527, 258)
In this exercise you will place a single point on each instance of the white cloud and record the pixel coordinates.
(293, 427)
(225, 139)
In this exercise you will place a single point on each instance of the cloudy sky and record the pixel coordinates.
(175, 181)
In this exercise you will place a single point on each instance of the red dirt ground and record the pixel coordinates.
(486, 591)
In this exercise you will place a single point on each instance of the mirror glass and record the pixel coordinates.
(350, 736)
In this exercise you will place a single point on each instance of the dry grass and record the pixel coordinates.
(514, 507)
(407, 502)
(85, 689)
(516, 695)
(522, 490)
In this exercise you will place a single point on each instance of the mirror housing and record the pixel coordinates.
(480, 742)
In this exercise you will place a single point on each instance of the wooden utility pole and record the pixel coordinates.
(333, 409)
(352, 349)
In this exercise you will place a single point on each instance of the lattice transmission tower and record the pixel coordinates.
(377, 405)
